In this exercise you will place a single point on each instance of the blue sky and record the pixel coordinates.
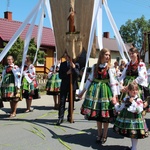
(121, 10)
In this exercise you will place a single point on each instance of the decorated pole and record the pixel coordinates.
(71, 30)
(71, 100)
(72, 23)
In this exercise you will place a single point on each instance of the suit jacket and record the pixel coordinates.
(65, 83)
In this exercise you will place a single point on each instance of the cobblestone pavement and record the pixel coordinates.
(37, 130)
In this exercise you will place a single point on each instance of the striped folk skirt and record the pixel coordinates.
(8, 90)
(53, 85)
(130, 125)
(97, 104)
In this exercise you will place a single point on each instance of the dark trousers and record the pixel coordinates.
(1, 104)
(63, 96)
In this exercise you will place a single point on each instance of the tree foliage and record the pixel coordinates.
(17, 52)
(133, 31)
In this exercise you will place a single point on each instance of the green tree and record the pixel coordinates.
(133, 31)
(17, 52)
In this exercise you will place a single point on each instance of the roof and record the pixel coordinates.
(111, 43)
(9, 28)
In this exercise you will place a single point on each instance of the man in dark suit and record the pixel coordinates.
(67, 68)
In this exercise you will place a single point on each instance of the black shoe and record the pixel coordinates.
(59, 122)
(69, 120)
(98, 140)
(103, 140)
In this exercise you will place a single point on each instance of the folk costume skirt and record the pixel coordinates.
(53, 85)
(9, 91)
(97, 104)
(130, 125)
(27, 88)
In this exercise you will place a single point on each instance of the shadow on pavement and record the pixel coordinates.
(78, 136)
(43, 107)
(86, 138)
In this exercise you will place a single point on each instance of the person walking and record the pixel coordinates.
(136, 72)
(101, 88)
(67, 68)
(29, 83)
(130, 122)
(53, 85)
(10, 85)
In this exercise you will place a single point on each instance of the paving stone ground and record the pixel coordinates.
(37, 130)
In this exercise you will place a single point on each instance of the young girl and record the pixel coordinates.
(101, 88)
(29, 83)
(130, 122)
(135, 71)
(10, 86)
(53, 85)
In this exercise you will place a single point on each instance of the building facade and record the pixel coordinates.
(8, 28)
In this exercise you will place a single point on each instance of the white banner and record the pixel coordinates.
(99, 27)
(40, 30)
(28, 38)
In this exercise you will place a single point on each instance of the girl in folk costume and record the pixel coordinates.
(29, 83)
(102, 88)
(135, 71)
(53, 85)
(130, 122)
(10, 85)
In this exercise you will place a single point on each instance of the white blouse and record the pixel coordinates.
(141, 79)
(114, 84)
(135, 107)
(30, 73)
(16, 73)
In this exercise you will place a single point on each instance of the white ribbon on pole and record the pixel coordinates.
(18, 32)
(28, 38)
(91, 38)
(120, 42)
(99, 27)
(40, 30)
(47, 4)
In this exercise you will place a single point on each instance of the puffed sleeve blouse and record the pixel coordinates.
(112, 80)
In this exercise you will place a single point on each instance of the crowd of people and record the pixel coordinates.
(118, 93)
(12, 90)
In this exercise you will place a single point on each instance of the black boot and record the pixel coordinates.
(60, 120)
